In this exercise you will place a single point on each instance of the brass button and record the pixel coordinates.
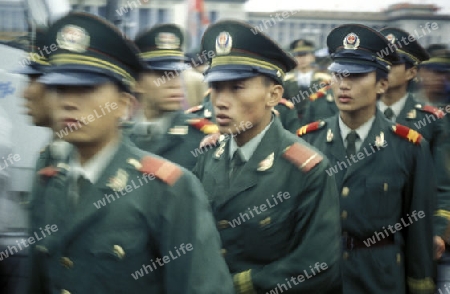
(344, 214)
(63, 291)
(66, 262)
(223, 224)
(345, 255)
(223, 251)
(345, 191)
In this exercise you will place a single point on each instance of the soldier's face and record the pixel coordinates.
(357, 92)
(399, 76)
(37, 103)
(161, 91)
(244, 102)
(304, 61)
(89, 115)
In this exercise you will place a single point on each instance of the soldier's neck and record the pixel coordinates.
(305, 70)
(355, 119)
(88, 150)
(393, 95)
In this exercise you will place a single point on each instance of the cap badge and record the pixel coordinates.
(223, 43)
(391, 38)
(73, 38)
(351, 41)
(167, 41)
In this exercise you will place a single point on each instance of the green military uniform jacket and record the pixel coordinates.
(429, 122)
(263, 250)
(320, 106)
(382, 188)
(141, 208)
(299, 95)
(181, 138)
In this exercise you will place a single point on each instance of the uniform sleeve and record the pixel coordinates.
(317, 246)
(289, 119)
(442, 213)
(419, 235)
(190, 242)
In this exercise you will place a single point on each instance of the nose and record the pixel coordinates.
(344, 83)
(67, 101)
(220, 99)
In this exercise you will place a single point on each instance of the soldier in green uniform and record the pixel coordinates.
(122, 220)
(304, 80)
(276, 208)
(321, 105)
(166, 130)
(399, 105)
(383, 171)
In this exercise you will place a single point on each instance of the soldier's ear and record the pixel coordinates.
(382, 85)
(411, 73)
(274, 96)
(125, 99)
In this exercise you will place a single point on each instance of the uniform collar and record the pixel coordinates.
(95, 166)
(248, 148)
(362, 131)
(396, 107)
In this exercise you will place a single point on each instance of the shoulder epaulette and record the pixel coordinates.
(289, 76)
(322, 77)
(321, 93)
(431, 109)
(302, 156)
(194, 109)
(204, 125)
(407, 133)
(310, 127)
(286, 103)
(166, 171)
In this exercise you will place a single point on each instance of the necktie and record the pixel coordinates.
(75, 190)
(235, 164)
(389, 113)
(351, 140)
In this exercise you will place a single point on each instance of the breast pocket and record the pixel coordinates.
(383, 196)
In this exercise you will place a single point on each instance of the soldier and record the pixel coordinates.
(275, 207)
(321, 105)
(304, 80)
(166, 131)
(399, 105)
(384, 172)
(159, 237)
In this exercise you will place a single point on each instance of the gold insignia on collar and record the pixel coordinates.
(118, 251)
(411, 114)
(266, 163)
(178, 130)
(379, 140)
(265, 221)
(118, 182)
(330, 98)
(329, 135)
(220, 151)
(134, 162)
(207, 113)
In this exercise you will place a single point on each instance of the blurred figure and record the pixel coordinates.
(166, 130)
(304, 80)
(192, 77)
(160, 237)
(435, 78)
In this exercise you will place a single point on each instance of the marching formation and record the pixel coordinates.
(259, 189)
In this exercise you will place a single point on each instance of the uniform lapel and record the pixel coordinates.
(87, 213)
(335, 145)
(406, 114)
(368, 147)
(261, 163)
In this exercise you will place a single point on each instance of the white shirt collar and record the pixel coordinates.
(248, 148)
(95, 166)
(362, 131)
(396, 107)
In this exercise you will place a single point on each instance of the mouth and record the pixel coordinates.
(175, 97)
(69, 122)
(222, 119)
(344, 98)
